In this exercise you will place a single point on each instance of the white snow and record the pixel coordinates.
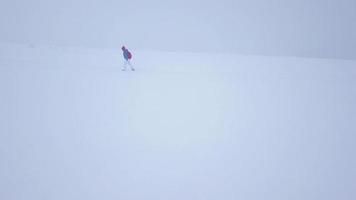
(183, 126)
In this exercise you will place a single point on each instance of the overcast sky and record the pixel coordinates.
(312, 28)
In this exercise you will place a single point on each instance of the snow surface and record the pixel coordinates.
(183, 126)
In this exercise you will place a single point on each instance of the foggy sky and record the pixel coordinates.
(311, 28)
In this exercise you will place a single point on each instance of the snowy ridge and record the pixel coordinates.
(183, 126)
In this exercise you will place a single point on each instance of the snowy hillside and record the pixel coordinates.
(184, 126)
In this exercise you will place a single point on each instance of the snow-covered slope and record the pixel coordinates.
(183, 126)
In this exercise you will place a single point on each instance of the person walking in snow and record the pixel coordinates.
(127, 56)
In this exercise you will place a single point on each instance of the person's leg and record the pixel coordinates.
(124, 66)
(129, 63)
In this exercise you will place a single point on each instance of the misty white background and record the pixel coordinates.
(312, 28)
(213, 125)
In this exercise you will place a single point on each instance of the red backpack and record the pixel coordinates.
(129, 55)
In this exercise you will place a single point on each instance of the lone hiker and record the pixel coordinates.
(127, 56)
